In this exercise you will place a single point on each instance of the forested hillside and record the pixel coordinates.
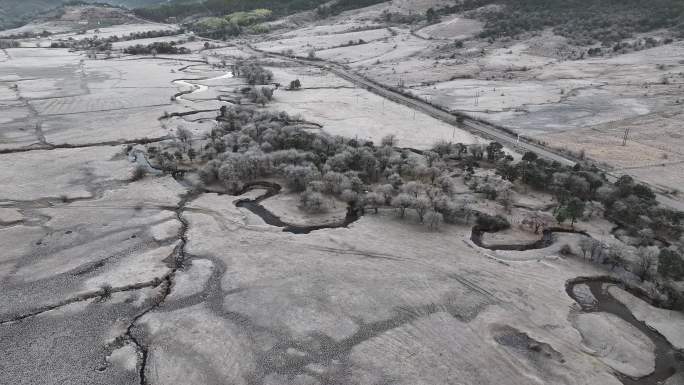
(583, 21)
(181, 8)
(14, 13)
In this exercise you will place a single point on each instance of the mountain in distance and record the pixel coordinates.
(14, 13)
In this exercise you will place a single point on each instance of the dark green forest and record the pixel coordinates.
(14, 13)
(582, 21)
(182, 9)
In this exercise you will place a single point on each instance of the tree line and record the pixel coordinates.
(181, 10)
(158, 47)
(584, 22)
(251, 144)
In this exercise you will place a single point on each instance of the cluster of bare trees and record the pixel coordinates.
(7, 43)
(250, 144)
(260, 95)
(641, 261)
(253, 72)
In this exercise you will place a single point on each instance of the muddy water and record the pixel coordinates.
(255, 207)
(546, 240)
(668, 360)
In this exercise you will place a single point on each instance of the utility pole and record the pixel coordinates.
(625, 137)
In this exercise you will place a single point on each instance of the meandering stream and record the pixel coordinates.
(546, 240)
(668, 360)
(272, 189)
(197, 88)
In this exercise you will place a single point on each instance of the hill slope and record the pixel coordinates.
(16, 12)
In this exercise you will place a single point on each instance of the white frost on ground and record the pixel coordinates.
(165, 230)
(331, 283)
(29, 170)
(286, 207)
(191, 280)
(584, 295)
(213, 349)
(126, 357)
(10, 215)
(617, 343)
(452, 27)
(355, 112)
(143, 267)
(669, 323)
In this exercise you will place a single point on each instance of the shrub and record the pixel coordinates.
(253, 72)
(138, 172)
(491, 223)
(163, 47)
(295, 84)
(434, 219)
(565, 250)
(106, 292)
(313, 202)
(670, 264)
(5, 43)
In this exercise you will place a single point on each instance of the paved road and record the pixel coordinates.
(481, 129)
(470, 125)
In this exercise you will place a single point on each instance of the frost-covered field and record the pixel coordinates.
(109, 280)
(526, 85)
(343, 109)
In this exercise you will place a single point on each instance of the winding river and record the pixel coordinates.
(272, 189)
(668, 360)
(546, 240)
(196, 88)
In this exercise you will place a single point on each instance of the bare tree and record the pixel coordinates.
(402, 202)
(597, 250)
(229, 177)
(389, 140)
(537, 220)
(313, 202)
(184, 135)
(585, 245)
(614, 255)
(434, 219)
(505, 197)
(386, 191)
(421, 204)
(646, 260)
(413, 188)
(593, 209)
(373, 200)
